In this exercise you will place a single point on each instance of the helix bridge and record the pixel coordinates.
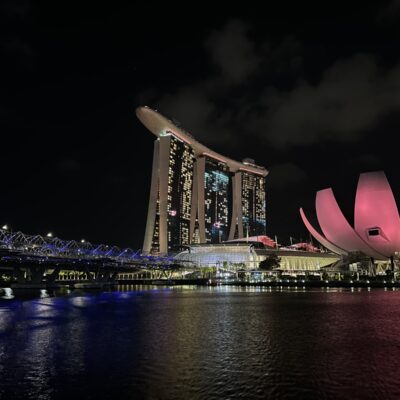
(34, 256)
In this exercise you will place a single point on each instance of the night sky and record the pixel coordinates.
(312, 94)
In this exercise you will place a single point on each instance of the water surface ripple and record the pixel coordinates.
(202, 343)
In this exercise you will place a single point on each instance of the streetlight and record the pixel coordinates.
(49, 235)
(5, 227)
(82, 240)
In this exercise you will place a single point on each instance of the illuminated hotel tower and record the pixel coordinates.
(198, 195)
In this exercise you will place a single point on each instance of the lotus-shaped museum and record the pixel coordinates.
(376, 231)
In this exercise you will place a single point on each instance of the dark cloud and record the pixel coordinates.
(215, 109)
(283, 58)
(146, 97)
(286, 174)
(16, 9)
(18, 46)
(192, 104)
(3, 112)
(16, 35)
(195, 111)
(69, 165)
(365, 161)
(233, 52)
(390, 12)
(351, 98)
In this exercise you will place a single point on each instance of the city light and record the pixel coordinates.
(376, 219)
(49, 234)
(5, 227)
(183, 201)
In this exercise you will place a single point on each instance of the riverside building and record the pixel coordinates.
(197, 195)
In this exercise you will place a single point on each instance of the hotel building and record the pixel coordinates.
(197, 195)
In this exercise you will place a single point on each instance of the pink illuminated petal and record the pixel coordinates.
(319, 237)
(335, 226)
(375, 207)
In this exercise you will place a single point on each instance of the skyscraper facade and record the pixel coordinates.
(216, 200)
(198, 195)
(253, 204)
(179, 191)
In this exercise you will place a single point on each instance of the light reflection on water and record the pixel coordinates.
(202, 343)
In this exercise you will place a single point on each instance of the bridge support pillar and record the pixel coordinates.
(29, 276)
(50, 278)
(37, 273)
(89, 275)
(114, 276)
(19, 275)
(104, 277)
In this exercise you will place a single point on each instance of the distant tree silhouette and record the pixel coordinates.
(271, 262)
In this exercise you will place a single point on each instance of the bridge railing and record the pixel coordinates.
(45, 246)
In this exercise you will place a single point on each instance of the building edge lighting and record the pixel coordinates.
(376, 231)
(181, 168)
(160, 125)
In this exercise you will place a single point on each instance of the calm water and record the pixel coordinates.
(207, 343)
